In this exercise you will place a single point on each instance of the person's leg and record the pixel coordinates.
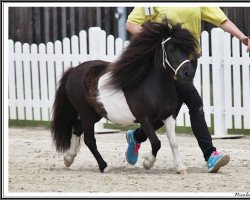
(192, 99)
(140, 136)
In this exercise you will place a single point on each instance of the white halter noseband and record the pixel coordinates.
(165, 58)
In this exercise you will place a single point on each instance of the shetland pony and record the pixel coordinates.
(139, 87)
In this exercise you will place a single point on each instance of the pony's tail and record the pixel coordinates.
(63, 117)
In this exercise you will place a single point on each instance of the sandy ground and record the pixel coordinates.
(35, 166)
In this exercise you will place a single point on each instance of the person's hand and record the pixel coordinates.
(246, 41)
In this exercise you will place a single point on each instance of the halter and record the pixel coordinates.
(165, 58)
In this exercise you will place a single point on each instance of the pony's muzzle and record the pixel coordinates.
(187, 72)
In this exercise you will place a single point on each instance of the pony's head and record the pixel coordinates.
(178, 45)
(157, 42)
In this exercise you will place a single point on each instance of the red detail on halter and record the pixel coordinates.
(137, 147)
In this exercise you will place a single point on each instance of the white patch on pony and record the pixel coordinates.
(170, 128)
(73, 150)
(114, 102)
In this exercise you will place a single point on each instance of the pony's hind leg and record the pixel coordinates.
(170, 128)
(90, 141)
(74, 143)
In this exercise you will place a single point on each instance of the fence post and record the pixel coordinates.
(94, 43)
(12, 85)
(218, 80)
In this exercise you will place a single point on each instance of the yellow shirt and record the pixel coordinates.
(190, 16)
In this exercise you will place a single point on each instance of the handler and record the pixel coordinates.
(190, 18)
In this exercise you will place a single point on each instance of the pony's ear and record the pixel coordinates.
(168, 22)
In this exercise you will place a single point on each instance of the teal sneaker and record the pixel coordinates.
(216, 161)
(133, 147)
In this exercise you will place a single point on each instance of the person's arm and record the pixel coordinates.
(133, 28)
(135, 20)
(231, 28)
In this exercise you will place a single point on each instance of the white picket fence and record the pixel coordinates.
(34, 72)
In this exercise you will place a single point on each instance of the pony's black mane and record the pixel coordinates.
(144, 52)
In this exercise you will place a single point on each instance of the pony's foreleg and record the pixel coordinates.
(72, 152)
(150, 158)
(170, 128)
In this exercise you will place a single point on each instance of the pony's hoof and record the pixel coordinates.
(148, 162)
(68, 160)
(107, 169)
(146, 165)
(181, 169)
(66, 163)
(104, 167)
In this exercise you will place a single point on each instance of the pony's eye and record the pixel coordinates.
(171, 50)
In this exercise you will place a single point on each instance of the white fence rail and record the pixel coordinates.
(34, 72)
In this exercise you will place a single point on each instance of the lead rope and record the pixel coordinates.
(165, 58)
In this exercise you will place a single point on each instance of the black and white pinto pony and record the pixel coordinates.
(139, 87)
